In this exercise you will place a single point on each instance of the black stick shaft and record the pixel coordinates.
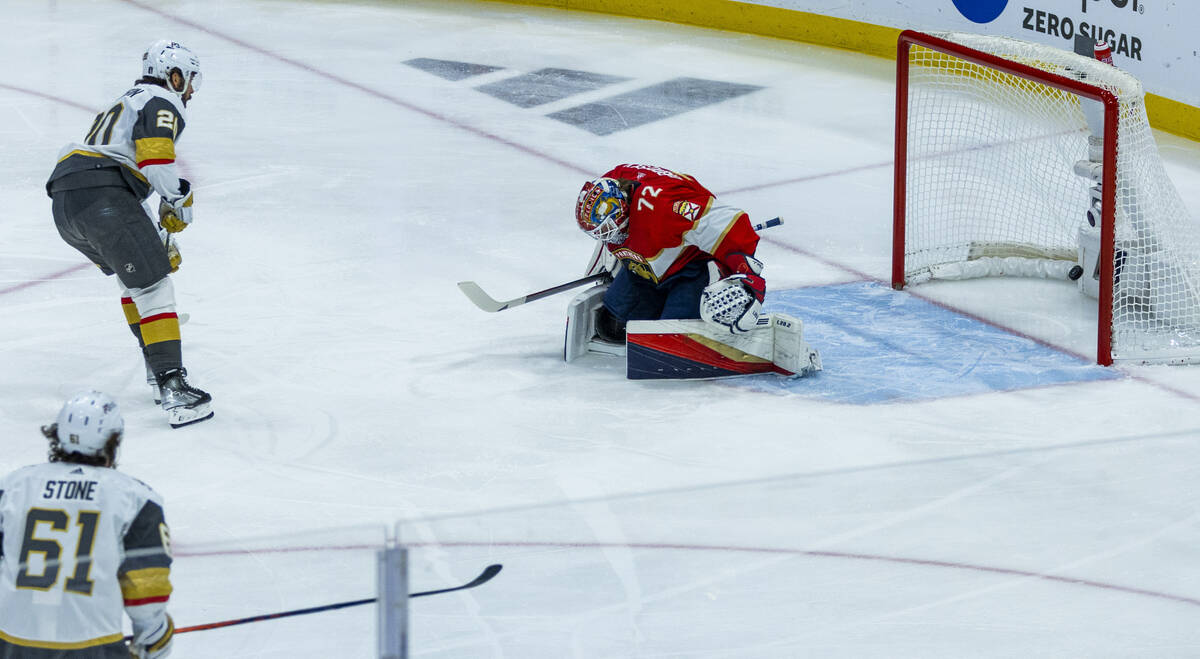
(484, 577)
(567, 286)
(490, 304)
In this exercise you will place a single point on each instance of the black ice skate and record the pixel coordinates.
(183, 403)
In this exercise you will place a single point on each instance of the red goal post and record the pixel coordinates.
(988, 133)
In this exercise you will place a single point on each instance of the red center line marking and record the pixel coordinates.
(75, 268)
(900, 560)
(48, 97)
(51, 277)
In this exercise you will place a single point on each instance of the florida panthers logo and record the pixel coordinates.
(635, 263)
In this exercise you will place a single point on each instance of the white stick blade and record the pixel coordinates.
(481, 299)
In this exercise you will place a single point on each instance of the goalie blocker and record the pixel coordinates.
(677, 349)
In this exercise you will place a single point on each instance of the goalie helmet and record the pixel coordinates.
(163, 56)
(86, 422)
(602, 210)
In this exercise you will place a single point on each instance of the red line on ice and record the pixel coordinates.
(182, 552)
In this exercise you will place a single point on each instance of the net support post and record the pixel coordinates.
(1108, 219)
(900, 165)
(392, 577)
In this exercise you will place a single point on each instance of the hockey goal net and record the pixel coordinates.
(996, 175)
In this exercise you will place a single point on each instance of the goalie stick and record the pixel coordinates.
(491, 305)
(484, 577)
(773, 222)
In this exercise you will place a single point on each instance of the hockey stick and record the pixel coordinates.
(491, 305)
(484, 577)
(773, 222)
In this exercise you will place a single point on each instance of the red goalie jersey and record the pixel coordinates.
(673, 221)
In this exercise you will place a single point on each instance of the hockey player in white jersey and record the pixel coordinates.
(98, 188)
(80, 542)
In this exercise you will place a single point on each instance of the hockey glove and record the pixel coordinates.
(174, 216)
(734, 302)
(757, 289)
(172, 247)
(173, 254)
(159, 647)
(743, 264)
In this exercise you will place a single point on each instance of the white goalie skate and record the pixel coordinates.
(183, 403)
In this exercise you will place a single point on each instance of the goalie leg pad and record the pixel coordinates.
(692, 349)
(586, 319)
(789, 350)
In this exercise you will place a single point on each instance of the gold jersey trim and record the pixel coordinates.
(146, 583)
(154, 148)
(93, 154)
(52, 645)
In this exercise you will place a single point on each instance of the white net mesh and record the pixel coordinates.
(990, 173)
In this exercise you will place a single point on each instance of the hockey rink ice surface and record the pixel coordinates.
(961, 480)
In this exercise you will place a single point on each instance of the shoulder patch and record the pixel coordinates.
(687, 209)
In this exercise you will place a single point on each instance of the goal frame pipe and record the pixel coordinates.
(909, 38)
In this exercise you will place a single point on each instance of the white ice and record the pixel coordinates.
(340, 196)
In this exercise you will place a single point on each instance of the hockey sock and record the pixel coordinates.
(134, 319)
(159, 325)
(164, 350)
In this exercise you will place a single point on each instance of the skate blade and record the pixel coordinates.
(182, 416)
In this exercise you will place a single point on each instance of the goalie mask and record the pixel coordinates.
(602, 211)
(163, 57)
(86, 422)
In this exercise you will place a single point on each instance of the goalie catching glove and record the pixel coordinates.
(175, 216)
(734, 302)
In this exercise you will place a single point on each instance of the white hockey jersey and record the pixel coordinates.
(78, 546)
(138, 135)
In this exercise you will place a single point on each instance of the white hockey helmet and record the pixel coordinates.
(86, 422)
(163, 56)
